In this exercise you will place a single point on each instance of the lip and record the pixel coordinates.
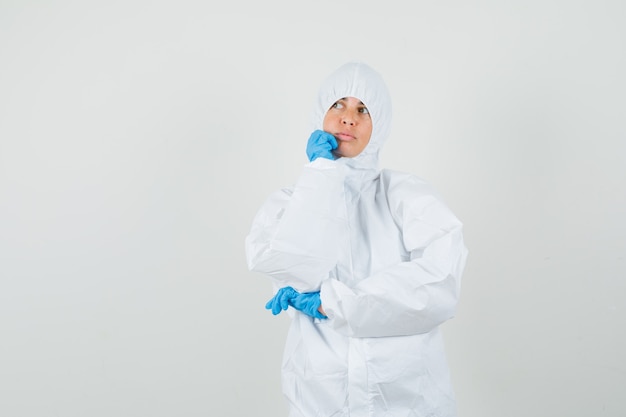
(344, 136)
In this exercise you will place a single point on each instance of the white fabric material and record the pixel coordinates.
(387, 256)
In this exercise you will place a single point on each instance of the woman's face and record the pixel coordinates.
(348, 120)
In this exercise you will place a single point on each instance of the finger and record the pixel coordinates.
(284, 300)
(317, 137)
(332, 141)
(295, 301)
(271, 305)
(326, 139)
(276, 306)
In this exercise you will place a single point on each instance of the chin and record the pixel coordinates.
(343, 153)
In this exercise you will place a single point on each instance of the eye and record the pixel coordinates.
(337, 105)
(364, 110)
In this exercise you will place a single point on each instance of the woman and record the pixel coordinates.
(370, 262)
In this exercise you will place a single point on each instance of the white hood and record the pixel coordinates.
(357, 79)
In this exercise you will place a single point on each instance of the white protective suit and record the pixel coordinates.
(386, 255)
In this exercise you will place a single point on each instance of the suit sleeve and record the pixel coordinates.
(293, 236)
(410, 297)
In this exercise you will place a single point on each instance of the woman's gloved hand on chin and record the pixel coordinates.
(321, 145)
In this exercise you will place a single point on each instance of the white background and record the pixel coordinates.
(138, 139)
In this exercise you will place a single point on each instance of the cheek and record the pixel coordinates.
(367, 131)
(326, 125)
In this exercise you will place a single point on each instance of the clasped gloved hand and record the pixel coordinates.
(308, 302)
(321, 145)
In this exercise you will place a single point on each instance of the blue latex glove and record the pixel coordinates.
(320, 145)
(280, 301)
(308, 303)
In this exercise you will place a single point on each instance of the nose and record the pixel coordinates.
(347, 119)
